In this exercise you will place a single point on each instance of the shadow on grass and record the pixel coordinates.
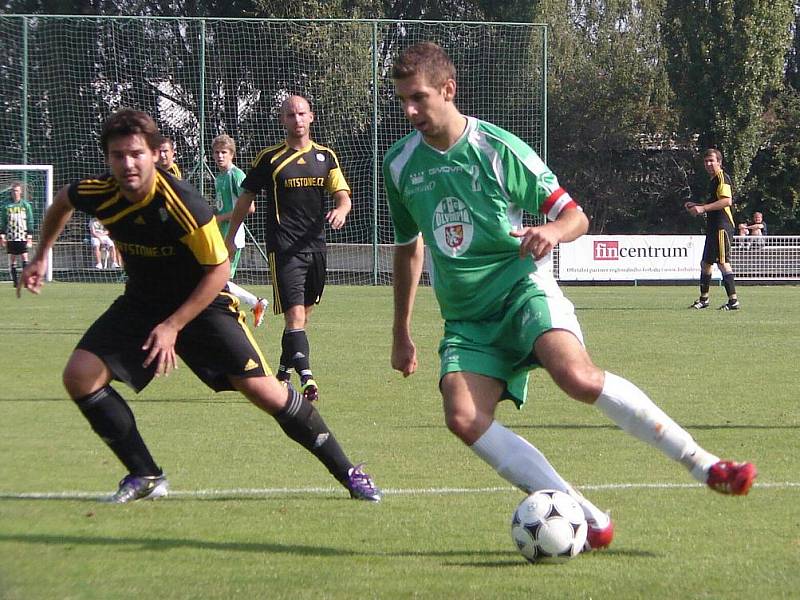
(228, 398)
(611, 426)
(517, 561)
(165, 544)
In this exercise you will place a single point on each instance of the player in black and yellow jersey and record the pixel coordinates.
(175, 304)
(166, 156)
(297, 176)
(719, 229)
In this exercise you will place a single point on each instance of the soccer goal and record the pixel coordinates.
(37, 188)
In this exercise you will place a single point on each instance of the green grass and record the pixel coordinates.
(730, 378)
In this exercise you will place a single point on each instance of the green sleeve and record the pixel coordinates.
(29, 218)
(528, 180)
(238, 178)
(405, 228)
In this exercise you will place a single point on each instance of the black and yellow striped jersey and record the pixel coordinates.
(175, 170)
(296, 183)
(719, 187)
(165, 239)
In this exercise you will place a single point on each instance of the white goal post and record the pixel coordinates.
(37, 188)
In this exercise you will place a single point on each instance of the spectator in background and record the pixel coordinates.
(742, 229)
(100, 241)
(758, 227)
(166, 156)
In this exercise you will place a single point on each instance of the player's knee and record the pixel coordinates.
(265, 392)
(582, 381)
(73, 382)
(83, 376)
(466, 427)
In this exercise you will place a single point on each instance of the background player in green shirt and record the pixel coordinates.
(228, 186)
(462, 183)
(16, 228)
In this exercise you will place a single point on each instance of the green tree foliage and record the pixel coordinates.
(725, 57)
(774, 184)
(608, 97)
(792, 74)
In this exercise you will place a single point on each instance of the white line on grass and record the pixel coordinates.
(234, 493)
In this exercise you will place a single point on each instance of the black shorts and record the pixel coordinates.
(214, 345)
(297, 279)
(17, 247)
(718, 247)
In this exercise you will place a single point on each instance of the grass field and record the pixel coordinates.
(254, 516)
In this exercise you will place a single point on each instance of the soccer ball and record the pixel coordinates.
(549, 526)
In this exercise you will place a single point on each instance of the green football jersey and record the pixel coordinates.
(228, 186)
(465, 201)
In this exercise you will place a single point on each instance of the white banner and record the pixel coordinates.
(631, 257)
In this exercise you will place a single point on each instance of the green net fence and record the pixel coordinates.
(61, 76)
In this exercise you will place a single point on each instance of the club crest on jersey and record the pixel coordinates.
(452, 226)
(162, 212)
(454, 235)
(320, 157)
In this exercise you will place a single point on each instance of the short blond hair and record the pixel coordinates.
(224, 141)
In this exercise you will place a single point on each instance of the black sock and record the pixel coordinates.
(14, 274)
(285, 366)
(296, 348)
(730, 286)
(705, 285)
(111, 418)
(302, 423)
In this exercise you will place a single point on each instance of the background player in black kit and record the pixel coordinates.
(175, 304)
(297, 176)
(719, 229)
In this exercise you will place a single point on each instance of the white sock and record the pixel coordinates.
(243, 294)
(631, 409)
(519, 462)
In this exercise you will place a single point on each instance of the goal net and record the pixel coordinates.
(36, 185)
(203, 77)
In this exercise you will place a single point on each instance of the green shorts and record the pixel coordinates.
(503, 348)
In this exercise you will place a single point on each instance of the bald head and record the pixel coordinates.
(296, 118)
(295, 102)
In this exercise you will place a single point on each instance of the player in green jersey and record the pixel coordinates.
(228, 186)
(462, 184)
(16, 228)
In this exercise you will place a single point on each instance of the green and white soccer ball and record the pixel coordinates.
(549, 525)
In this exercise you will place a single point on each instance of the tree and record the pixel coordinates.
(608, 94)
(774, 184)
(724, 59)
